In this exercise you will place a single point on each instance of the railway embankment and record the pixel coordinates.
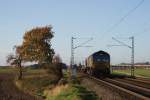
(69, 88)
(109, 91)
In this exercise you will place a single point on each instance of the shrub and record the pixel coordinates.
(54, 68)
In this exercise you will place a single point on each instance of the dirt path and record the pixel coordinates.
(8, 90)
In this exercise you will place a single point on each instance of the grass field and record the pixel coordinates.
(71, 92)
(7, 70)
(34, 80)
(138, 72)
(39, 83)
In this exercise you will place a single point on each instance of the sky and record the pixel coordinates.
(82, 19)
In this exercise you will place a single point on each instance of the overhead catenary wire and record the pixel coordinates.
(84, 43)
(123, 18)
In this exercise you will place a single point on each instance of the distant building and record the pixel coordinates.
(128, 66)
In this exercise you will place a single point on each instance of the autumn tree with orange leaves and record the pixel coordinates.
(37, 45)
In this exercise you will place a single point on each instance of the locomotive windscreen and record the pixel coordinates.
(101, 58)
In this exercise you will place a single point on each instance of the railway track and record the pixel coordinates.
(134, 88)
(135, 82)
(143, 79)
(126, 87)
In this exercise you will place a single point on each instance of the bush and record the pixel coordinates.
(54, 68)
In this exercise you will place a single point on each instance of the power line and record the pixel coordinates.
(124, 17)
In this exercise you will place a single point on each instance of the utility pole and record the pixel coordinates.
(132, 57)
(72, 51)
(132, 51)
(75, 47)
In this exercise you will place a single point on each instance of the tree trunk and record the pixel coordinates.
(20, 71)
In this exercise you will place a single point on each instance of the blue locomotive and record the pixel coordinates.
(98, 63)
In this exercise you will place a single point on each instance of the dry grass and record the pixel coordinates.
(55, 91)
(36, 81)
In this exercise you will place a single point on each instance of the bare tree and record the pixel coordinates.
(16, 61)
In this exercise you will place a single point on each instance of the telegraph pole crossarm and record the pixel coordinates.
(81, 45)
(122, 43)
(114, 45)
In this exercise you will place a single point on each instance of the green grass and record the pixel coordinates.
(74, 92)
(138, 72)
(25, 70)
(7, 70)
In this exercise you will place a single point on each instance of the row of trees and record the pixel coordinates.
(36, 47)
